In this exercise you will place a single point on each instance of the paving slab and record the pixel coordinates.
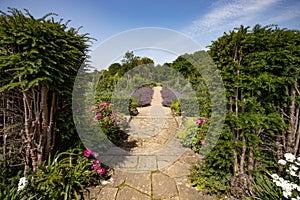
(147, 163)
(119, 178)
(140, 181)
(163, 186)
(107, 193)
(127, 193)
(178, 169)
(186, 192)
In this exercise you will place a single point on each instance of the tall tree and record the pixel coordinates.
(40, 59)
(260, 69)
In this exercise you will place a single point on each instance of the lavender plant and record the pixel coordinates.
(142, 96)
(170, 95)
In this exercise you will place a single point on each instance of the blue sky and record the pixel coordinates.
(201, 20)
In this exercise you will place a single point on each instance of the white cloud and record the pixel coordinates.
(228, 14)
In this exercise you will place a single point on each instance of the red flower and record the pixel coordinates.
(87, 153)
(106, 126)
(201, 135)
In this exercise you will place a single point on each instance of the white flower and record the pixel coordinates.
(292, 173)
(294, 167)
(298, 188)
(289, 157)
(22, 183)
(287, 194)
(275, 176)
(282, 162)
(281, 179)
(278, 183)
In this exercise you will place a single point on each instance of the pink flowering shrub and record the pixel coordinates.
(199, 139)
(108, 121)
(96, 163)
(193, 134)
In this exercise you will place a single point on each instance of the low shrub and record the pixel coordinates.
(67, 176)
(64, 177)
(193, 133)
(170, 95)
(142, 96)
(175, 107)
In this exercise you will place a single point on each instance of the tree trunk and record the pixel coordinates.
(296, 149)
(243, 156)
(290, 144)
(39, 108)
(27, 136)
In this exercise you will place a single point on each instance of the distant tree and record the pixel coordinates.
(114, 68)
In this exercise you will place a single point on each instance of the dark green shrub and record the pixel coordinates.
(133, 111)
(213, 175)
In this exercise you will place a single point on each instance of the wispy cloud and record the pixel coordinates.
(226, 14)
(287, 13)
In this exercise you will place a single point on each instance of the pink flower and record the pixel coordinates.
(202, 142)
(116, 124)
(87, 153)
(106, 126)
(118, 119)
(96, 162)
(98, 116)
(201, 135)
(201, 121)
(92, 121)
(95, 166)
(183, 112)
(104, 104)
(101, 170)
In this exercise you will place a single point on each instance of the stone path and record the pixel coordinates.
(157, 168)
